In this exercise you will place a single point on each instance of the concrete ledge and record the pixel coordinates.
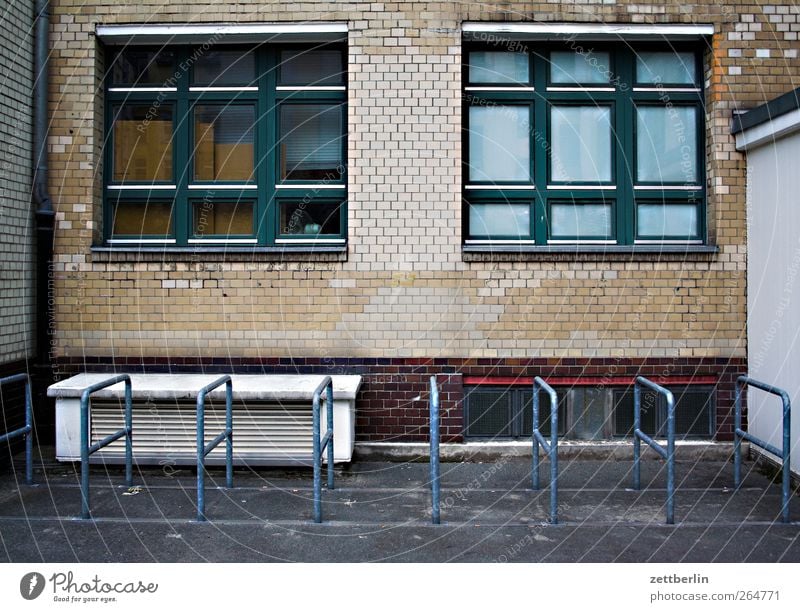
(491, 451)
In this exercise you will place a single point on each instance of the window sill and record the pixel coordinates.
(511, 252)
(138, 253)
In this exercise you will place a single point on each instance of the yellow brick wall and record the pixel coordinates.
(405, 288)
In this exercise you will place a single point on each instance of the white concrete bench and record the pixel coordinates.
(271, 418)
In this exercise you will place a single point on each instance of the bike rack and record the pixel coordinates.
(668, 454)
(740, 434)
(204, 449)
(87, 449)
(320, 445)
(550, 448)
(27, 430)
(433, 406)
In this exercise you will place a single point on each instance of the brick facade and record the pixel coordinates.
(405, 292)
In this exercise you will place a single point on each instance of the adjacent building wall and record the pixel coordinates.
(406, 295)
(773, 297)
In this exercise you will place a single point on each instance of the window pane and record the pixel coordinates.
(143, 67)
(142, 218)
(223, 141)
(569, 220)
(667, 67)
(311, 142)
(317, 67)
(222, 218)
(499, 143)
(581, 143)
(488, 412)
(666, 144)
(498, 67)
(142, 143)
(659, 220)
(588, 414)
(310, 218)
(499, 220)
(225, 68)
(571, 68)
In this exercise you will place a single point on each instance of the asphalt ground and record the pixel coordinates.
(381, 511)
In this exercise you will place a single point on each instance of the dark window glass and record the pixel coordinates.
(223, 140)
(226, 68)
(142, 218)
(310, 219)
(311, 142)
(315, 67)
(142, 137)
(135, 67)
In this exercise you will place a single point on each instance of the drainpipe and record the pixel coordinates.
(44, 214)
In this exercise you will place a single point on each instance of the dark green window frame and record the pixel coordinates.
(265, 191)
(624, 193)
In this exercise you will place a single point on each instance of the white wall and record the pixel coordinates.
(773, 285)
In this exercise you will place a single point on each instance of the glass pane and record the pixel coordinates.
(666, 144)
(571, 68)
(225, 68)
(223, 142)
(142, 219)
(316, 67)
(659, 220)
(569, 220)
(134, 66)
(142, 143)
(499, 143)
(488, 413)
(222, 218)
(311, 142)
(667, 67)
(498, 67)
(499, 220)
(623, 413)
(588, 414)
(310, 218)
(581, 143)
(545, 413)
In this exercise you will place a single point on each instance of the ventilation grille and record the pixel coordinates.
(263, 433)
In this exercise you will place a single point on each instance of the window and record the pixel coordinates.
(226, 145)
(585, 412)
(568, 143)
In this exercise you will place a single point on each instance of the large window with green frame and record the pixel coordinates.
(595, 144)
(226, 145)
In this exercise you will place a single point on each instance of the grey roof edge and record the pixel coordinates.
(781, 105)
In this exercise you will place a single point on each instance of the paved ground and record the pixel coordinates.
(381, 512)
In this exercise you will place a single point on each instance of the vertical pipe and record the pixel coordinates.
(737, 440)
(535, 449)
(434, 435)
(85, 456)
(29, 434)
(787, 429)
(329, 407)
(201, 502)
(670, 459)
(637, 396)
(317, 460)
(229, 434)
(553, 458)
(128, 433)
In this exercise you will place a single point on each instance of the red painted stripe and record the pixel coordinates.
(588, 381)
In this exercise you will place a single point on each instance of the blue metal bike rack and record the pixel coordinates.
(203, 449)
(27, 430)
(740, 434)
(433, 405)
(321, 444)
(87, 449)
(667, 454)
(550, 448)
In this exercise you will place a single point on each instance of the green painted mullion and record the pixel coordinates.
(540, 137)
(624, 150)
(181, 145)
(268, 129)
